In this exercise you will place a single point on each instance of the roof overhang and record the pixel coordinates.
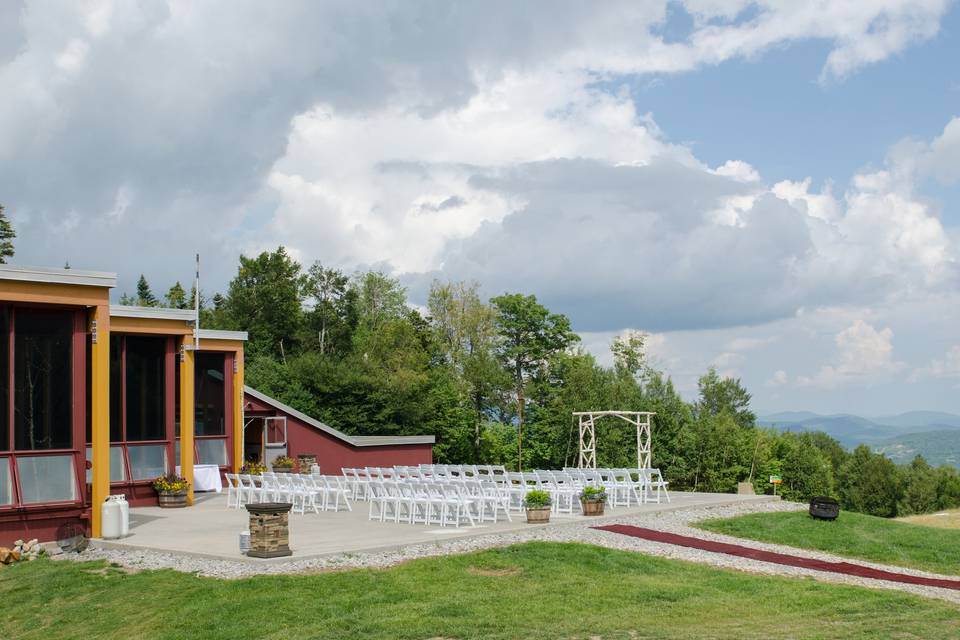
(356, 441)
(50, 275)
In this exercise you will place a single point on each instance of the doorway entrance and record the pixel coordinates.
(264, 438)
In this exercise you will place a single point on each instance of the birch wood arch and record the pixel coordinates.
(588, 437)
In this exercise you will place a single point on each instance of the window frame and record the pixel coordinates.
(170, 365)
(78, 381)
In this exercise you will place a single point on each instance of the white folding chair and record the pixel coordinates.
(234, 494)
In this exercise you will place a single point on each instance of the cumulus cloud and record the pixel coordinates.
(778, 379)
(155, 129)
(864, 355)
(945, 367)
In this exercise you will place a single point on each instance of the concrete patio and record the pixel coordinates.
(210, 530)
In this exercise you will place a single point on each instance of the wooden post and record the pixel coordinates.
(187, 412)
(99, 382)
(238, 430)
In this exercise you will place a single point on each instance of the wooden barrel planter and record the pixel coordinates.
(538, 516)
(592, 507)
(172, 500)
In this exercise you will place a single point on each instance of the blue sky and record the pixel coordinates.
(772, 111)
(637, 166)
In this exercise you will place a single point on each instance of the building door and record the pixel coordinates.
(264, 438)
(253, 440)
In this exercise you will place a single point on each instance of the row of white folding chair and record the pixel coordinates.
(479, 501)
(419, 502)
(487, 471)
(356, 482)
(647, 480)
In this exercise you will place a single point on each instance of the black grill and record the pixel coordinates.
(824, 508)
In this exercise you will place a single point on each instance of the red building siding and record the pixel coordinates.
(332, 452)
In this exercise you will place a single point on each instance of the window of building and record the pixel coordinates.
(212, 451)
(4, 379)
(147, 461)
(6, 482)
(145, 388)
(209, 394)
(47, 479)
(116, 388)
(43, 380)
(118, 471)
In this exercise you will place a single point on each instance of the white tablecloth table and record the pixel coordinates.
(206, 477)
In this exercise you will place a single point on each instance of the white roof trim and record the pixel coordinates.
(153, 313)
(357, 441)
(220, 334)
(58, 276)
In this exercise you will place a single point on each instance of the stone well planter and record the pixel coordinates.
(305, 461)
(172, 500)
(269, 529)
(538, 516)
(592, 507)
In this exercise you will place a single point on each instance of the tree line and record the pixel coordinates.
(496, 382)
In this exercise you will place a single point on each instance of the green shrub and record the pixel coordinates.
(537, 499)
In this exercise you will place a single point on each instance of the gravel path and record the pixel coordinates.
(672, 521)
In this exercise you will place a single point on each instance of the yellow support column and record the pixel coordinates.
(187, 412)
(238, 431)
(99, 382)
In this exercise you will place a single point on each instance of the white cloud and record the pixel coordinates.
(864, 355)
(778, 379)
(946, 367)
(750, 343)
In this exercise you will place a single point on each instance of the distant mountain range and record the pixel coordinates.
(933, 434)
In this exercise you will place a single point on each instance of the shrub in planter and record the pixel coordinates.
(282, 464)
(172, 490)
(592, 500)
(253, 469)
(537, 503)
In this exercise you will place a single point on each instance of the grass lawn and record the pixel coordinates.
(535, 590)
(949, 519)
(852, 535)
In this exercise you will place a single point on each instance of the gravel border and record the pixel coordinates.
(678, 521)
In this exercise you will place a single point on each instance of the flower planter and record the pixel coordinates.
(538, 516)
(592, 507)
(282, 469)
(172, 500)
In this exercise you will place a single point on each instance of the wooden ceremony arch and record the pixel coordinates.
(588, 437)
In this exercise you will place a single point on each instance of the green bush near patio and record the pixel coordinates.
(852, 535)
(535, 590)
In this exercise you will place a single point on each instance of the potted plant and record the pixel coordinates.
(282, 464)
(172, 491)
(253, 469)
(537, 504)
(592, 500)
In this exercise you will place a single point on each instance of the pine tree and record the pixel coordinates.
(7, 234)
(145, 297)
(176, 297)
(127, 300)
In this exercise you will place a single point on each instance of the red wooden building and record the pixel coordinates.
(272, 428)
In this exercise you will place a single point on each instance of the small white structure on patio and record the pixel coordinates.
(588, 436)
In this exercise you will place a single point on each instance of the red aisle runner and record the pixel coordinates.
(777, 558)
